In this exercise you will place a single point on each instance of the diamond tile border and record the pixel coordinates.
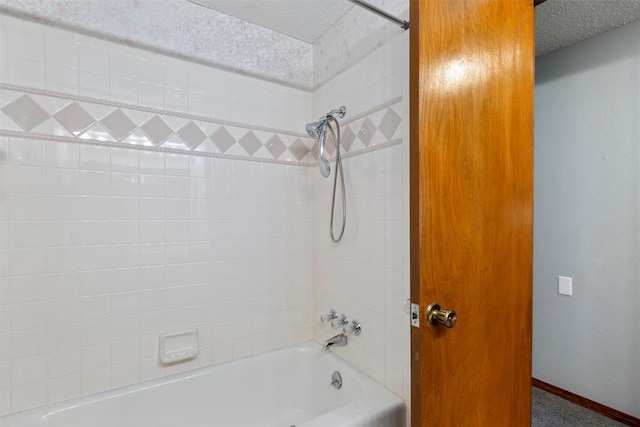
(347, 138)
(170, 113)
(366, 132)
(275, 146)
(166, 130)
(250, 143)
(389, 123)
(118, 124)
(299, 149)
(74, 118)
(26, 112)
(222, 139)
(192, 135)
(157, 130)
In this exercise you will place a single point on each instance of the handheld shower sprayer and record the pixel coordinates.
(318, 131)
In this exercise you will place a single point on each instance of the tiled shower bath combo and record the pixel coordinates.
(145, 196)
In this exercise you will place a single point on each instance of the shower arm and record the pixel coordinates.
(384, 14)
(340, 112)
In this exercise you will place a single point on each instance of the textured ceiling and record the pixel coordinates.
(265, 37)
(304, 20)
(560, 23)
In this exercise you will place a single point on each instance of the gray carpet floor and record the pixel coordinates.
(549, 410)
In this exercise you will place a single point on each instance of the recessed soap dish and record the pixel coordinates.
(179, 346)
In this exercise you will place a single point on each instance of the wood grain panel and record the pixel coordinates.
(471, 171)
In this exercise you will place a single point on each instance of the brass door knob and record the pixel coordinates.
(436, 315)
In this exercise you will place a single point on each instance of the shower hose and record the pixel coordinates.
(338, 169)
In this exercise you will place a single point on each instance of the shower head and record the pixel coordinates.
(313, 129)
(317, 130)
(323, 165)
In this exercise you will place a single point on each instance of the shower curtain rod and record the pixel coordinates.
(371, 8)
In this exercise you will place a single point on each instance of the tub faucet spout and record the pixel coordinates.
(339, 340)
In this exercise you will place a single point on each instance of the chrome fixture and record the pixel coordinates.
(353, 328)
(336, 380)
(340, 322)
(349, 327)
(386, 15)
(436, 315)
(339, 340)
(318, 130)
(332, 314)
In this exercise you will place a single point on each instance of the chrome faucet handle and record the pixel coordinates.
(332, 314)
(340, 322)
(352, 328)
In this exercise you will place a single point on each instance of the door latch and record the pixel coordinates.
(415, 315)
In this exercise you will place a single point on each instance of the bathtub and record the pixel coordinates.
(283, 388)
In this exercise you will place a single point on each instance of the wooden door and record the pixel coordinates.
(472, 82)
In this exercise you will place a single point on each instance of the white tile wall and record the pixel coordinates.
(102, 249)
(101, 261)
(366, 275)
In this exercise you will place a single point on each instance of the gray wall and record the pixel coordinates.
(587, 219)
